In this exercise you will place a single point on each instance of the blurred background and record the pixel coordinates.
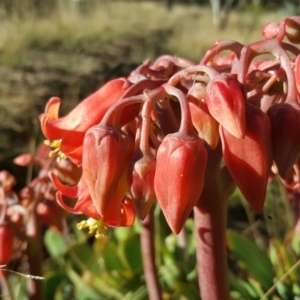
(69, 48)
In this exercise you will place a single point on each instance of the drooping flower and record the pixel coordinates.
(179, 177)
(285, 120)
(106, 156)
(66, 134)
(226, 103)
(249, 159)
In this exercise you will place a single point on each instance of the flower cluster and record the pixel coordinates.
(151, 136)
(21, 213)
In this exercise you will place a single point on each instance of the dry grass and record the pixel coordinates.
(69, 54)
(191, 29)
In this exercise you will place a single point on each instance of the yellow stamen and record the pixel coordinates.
(55, 145)
(97, 228)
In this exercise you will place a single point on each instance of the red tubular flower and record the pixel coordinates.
(178, 182)
(249, 159)
(6, 245)
(285, 121)
(226, 103)
(106, 157)
(69, 131)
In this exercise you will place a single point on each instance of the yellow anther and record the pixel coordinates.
(97, 228)
(55, 145)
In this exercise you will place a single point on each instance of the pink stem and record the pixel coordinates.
(148, 254)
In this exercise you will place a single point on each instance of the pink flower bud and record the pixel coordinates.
(226, 103)
(270, 30)
(24, 160)
(292, 29)
(206, 126)
(7, 181)
(178, 182)
(141, 182)
(249, 160)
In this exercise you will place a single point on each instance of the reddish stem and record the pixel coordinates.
(34, 253)
(148, 254)
(210, 216)
(210, 224)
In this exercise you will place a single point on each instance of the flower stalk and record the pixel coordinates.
(148, 254)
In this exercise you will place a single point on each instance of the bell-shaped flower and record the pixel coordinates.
(141, 184)
(249, 160)
(67, 133)
(285, 122)
(226, 103)
(106, 156)
(179, 176)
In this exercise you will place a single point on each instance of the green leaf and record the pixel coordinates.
(55, 243)
(296, 244)
(237, 285)
(83, 291)
(282, 290)
(132, 252)
(140, 294)
(169, 274)
(111, 259)
(121, 233)
(252, 257)
(296, 289)
(51, 282)
(83, 256)
(187, 290)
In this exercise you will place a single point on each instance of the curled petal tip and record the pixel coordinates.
(52, 108)
(69, 191)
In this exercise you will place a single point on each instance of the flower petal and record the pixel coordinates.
(69, 191)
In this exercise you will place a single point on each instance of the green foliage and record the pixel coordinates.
(84, 268)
